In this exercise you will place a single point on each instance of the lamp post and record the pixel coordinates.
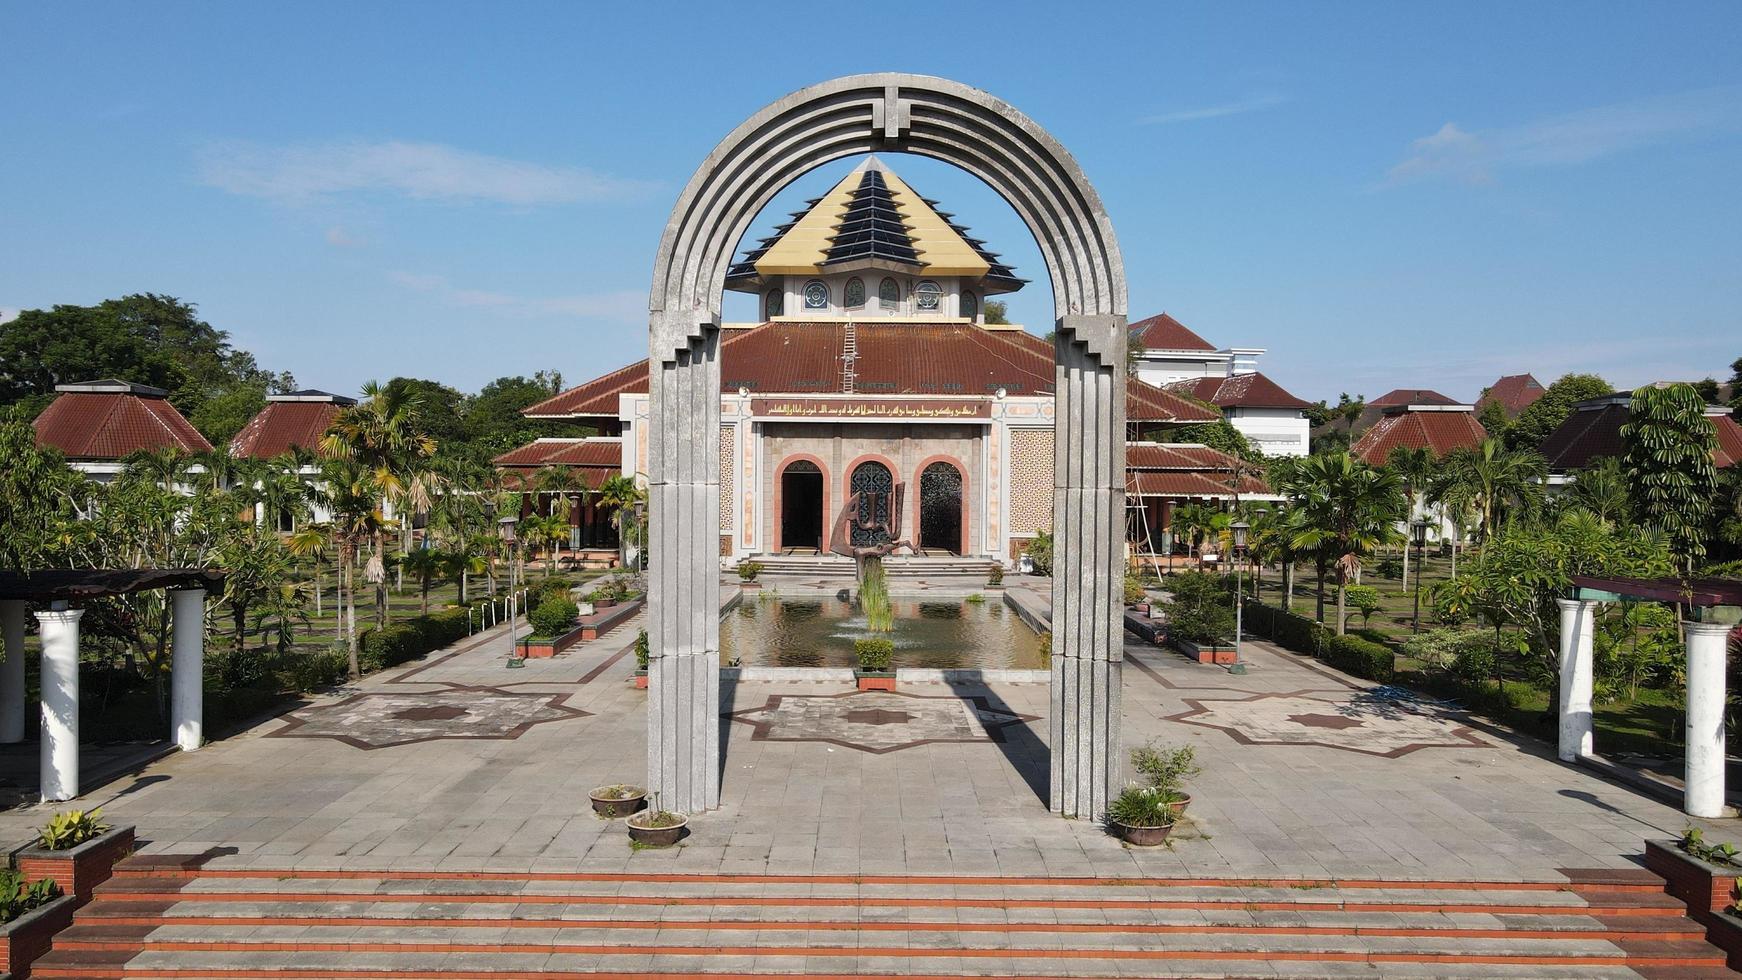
(1239, 528)
(1418, 537)
(505, 531)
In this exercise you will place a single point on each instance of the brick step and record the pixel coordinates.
(240, 960)
(1140, 922)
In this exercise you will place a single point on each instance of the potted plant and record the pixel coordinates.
(78, 850)
(553, 627)
(748, 570)
(875, 654)
(31, 912)
(1141, 816)
(617, 801)
(654, 827)
(995, 576)
(641, 656)
(1165, 770)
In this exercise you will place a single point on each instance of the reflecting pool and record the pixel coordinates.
(818, 631)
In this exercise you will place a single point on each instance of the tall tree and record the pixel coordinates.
(1601, 489)
(1668, 458)
(1416, 470)
(1348, 509)
(1493, 480)
(1546, 414)
(38, 497)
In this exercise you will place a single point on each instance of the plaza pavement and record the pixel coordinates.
(1306, 774)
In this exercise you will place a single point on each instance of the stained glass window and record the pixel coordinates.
(876, 488)
(776, 303)
(816, 295)
(927, 294)
(889, 294)
(855, 293)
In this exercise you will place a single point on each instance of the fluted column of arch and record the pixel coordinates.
(990, 139)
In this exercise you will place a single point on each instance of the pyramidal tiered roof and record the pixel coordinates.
(873, 219)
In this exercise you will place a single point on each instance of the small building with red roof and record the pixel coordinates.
(1513, 393)
(1593, 431)
(1270, 418)
(873, 374)
(289, 420)
(98, 424)
(1438, 428)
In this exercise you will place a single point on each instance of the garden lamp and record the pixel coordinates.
(1239, 528)
(505, 532)
(1418, 533)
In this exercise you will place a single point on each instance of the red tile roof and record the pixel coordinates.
(283, 424)
(1183, 470)
(596, 460)
(1593, 431)
(1514, 393)
(792, 357)
(110, 425)
(1240, 391)
(1149, 483)
(1411, 396)
(1439, 432)
(1163, 332)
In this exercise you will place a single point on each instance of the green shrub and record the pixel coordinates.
(1474, 664)
(1134, 590)
(554, 587)
(995, 575)
(875, 653)
(1165, 769)
(554, 616)
(642, 652)
(1363, 599)
(18, 896)
(1390, 566)
(1285, 629)
(1040, 552)
(1363, 658)
(1046, 649)
(408, 639)
(303, 672)
(65, 831)
(1200, 610)
(1142, 806)
(748, 570)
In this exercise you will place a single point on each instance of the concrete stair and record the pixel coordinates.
(165, 917)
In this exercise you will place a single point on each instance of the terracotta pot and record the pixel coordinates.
(617, 806)
(657, 836)
(641, 680)
(1179, 806)
(27, 937)
(875, 681)
(80, 869)
(604, 603)
(1140, 836)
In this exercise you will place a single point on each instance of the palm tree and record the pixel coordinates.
(1415, 467)
(383, 436)
(1494, 480)
(625, 496)
(311, 541)
(165, 466)
(357, 518)
(425, 564)
(1348, 510)
(1601, 488)
(220, 469)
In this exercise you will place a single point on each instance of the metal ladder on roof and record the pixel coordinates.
(850, 359)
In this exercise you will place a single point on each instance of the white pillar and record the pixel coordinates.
(59, 629)
(187, 661)
(1705, 713)
(1576, 738)
(12, 672)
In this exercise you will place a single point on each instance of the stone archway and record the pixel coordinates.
(990, 139)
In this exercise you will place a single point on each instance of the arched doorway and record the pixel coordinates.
(875, 485)
(989, 138)
(940, 508)
(801, 507)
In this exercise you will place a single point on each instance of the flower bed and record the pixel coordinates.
(1705, 887)
(78, 870)
(536, 647)
(28, 937)
(1217, 652)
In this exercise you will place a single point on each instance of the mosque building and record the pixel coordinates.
(874, 371)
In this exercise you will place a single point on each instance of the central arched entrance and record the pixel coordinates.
(942, 524)
(801, 508)
(1025, 165)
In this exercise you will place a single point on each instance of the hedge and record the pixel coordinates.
(1363, 658)
(409, 639)
(1285, 629)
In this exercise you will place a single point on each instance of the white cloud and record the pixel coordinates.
(615, 305)
(1456, 154)
(422, 171)
(1254, 104)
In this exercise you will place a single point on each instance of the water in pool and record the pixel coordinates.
(818, 631)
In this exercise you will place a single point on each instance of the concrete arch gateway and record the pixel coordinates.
(990, 139)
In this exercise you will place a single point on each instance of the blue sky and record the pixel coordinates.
(1382, 195)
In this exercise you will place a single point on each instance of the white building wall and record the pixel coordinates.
(1275, 431)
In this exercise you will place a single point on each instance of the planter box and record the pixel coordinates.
(1725, 932)
(1705, 888)
(641, 679)
(79, 870)
(1214, 653)
(551, 646)
(883, 680)
(26, 938)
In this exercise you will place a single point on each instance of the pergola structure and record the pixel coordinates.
(1716, 605)
(56, 590)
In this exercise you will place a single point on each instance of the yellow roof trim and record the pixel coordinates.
(805, 245)
(940, 247)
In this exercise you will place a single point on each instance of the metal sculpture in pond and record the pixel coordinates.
(869, 525)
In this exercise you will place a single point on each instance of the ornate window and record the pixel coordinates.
(854, 294)
(970, 305)
(816, 295)
(927, 294)
(774, 305)
(875, 486)
(889, 294)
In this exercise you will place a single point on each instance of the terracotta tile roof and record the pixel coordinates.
(1440, 432)
(1175, 456)
(1514, 393)
(795, 357)
(595, 460)
(1410, 396)
(283, 424)
(1163, 332)
(1239, 391)
(112, 425)
(1149, 483)
(1593, 431)
(1183, 470)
